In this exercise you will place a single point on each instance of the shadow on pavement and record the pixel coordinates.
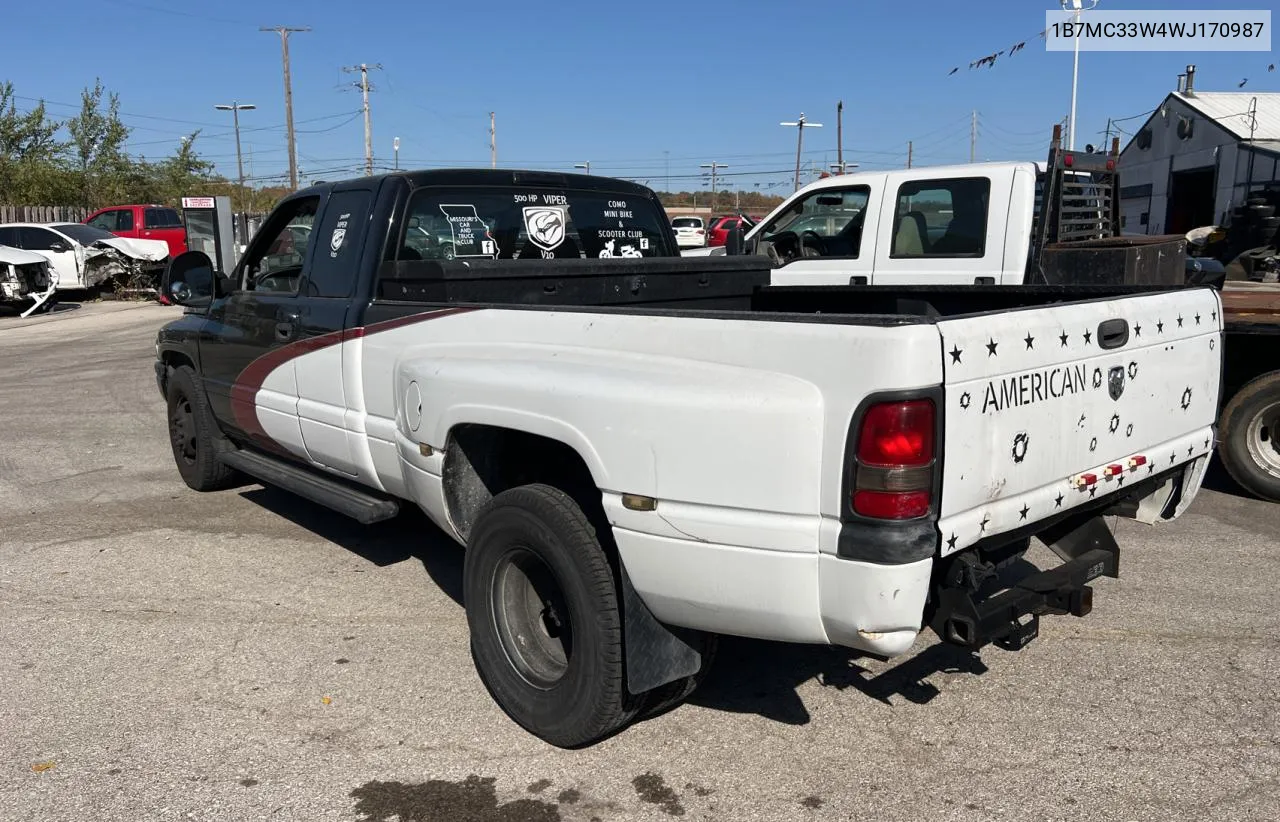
(748, 676)
(409, 536)
(13, 311)
(758, 677)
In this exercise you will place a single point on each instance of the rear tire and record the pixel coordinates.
(192, 432)
(1250, 430)
(542, 608)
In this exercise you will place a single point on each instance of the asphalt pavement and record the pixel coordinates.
(245, 655)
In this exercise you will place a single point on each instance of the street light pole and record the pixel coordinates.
(235, 108)
(586, 165)
(395, 148)
(1076, 7)
(800, 127)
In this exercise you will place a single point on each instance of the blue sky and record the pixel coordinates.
(641, 90)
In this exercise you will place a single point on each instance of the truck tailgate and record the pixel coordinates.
(1039, 398)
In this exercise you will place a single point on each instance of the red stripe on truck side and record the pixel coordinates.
(244, 391)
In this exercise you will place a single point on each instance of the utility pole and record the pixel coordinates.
(365, 88)
(666, 157)
(493, 143)
(973, 135)
(284, 32)
(1107, 138)
(800, 126)
(235, 108)
(714, 166)
(840, 134)
(395, 147)
(909, 154)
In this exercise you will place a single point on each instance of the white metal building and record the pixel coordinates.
(1196, 157)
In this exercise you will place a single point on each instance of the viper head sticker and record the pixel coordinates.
(545, 225)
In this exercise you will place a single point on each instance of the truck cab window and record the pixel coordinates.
(341, 233)
(530, 223)
(826, 223)
(274, 261)
(941, 218)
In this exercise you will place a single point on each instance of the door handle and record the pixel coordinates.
(286, 327)
(1113, 333)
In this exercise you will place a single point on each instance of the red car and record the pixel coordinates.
(143, 222)
(718, 230)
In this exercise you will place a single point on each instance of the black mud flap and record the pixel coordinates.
(656, 653)
(1011, 617)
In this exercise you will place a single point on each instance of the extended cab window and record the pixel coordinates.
(341, 236)
(503, 223)
(826, 223)
(274, 261)
(941, 218)
(161, 218)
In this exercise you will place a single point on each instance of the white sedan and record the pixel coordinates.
(84, 256)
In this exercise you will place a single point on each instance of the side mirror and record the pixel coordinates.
(733, 243)
(189, 279)
(57, 246)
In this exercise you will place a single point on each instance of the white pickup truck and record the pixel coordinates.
(641, 453)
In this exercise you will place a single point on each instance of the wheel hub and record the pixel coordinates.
(1263, 439)
(532, 618)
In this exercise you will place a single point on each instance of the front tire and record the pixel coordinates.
(542, 608)
(1250, 430)
(192, 432)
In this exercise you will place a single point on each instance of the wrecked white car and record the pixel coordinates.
(26, 277)
(84, 256)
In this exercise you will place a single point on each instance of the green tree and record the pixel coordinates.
(28, 145)
(97, 140)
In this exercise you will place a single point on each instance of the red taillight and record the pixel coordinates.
(897, 434)
(1068, 160)
(894, 461)
(889, 505)
(1111, 165)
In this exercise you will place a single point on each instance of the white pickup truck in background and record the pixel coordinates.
(639, 454)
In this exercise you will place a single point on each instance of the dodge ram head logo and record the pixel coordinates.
(1115, 382)
(546, 226)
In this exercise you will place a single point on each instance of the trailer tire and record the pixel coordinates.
(1250, 437)
(1261, 212)
(542, 608)
(192, 433)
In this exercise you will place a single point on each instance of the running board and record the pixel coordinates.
(336, 496)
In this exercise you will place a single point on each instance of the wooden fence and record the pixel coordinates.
(42, 214)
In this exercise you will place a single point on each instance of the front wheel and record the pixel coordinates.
(1250, 430)
(191, 434)
(542, 608)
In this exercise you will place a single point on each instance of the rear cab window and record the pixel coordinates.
(161, 218)
(686, 222)
(515, 223)
(941, 218)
